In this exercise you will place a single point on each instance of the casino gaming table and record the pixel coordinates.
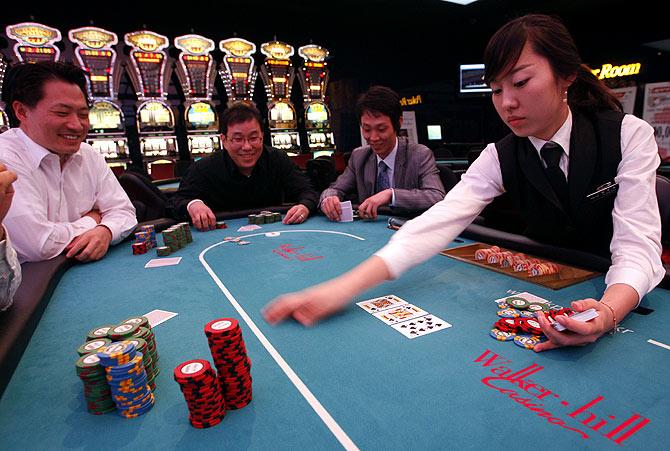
(352, 381)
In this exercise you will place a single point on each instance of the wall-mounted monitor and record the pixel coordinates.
(434, 132)
(472, 79)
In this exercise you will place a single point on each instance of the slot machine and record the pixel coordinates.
(35, 42)
(237, 69)
(196, 71)
(4, 120)
(96, 55)
(313, 76)
(277, 73)
(149, 73)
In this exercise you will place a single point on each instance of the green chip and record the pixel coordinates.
(99, 332)
(537, 307)
(517, 302)
(93, 345)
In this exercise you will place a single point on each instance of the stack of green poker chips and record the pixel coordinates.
(146, 334)
(99, 332)
(171, 240)
(163, 251)
(97, 392)
(187, 231)
(93, 346)
(122, 331)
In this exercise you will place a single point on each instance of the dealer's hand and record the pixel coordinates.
(307, 306)
(578, 333)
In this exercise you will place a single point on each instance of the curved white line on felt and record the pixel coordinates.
(321, 411)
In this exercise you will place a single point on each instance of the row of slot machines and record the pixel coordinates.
(149, 68)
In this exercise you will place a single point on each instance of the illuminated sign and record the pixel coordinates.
(32, 33)
(237, 47)
(93, 38)
(313, 53)
(609, 71)
(194, 44)
(146, 40)
(414, 100)
(277, 50)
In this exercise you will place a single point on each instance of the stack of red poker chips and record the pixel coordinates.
(230, 357)
(202, 391)
(508, 324)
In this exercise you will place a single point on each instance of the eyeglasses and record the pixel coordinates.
(239, 140)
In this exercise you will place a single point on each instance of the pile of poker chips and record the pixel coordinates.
(264, 217)
(230, 358)
(96, 389)
(174, 238)
(145, 239)
(517, 321)
(517, 261)
(202, 391)
(137, 331)
(127, 378)
(221, 225)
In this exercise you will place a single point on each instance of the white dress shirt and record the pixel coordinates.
(10, 272)
(636, 240)
(49, 203)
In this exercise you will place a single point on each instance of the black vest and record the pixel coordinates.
(595, 154)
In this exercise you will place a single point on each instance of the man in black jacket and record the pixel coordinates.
(247, 175)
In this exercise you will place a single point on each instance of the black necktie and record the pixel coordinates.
(551, 154)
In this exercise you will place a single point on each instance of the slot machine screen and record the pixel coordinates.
(156, 116)
(472, 79)
(105, 117)
(281, 112)
(201, 115)
(317, 114)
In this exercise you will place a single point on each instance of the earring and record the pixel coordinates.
(565, 96)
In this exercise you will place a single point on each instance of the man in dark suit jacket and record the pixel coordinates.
(389, 170)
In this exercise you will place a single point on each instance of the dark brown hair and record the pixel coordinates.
(25, 83)
(237, 113)
(380, 100)
(550, 39)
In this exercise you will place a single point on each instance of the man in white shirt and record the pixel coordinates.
(67, 199)
(10, 270)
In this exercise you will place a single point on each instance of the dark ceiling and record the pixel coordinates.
(399, 43)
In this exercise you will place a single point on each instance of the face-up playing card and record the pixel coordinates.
(382, 303)
(399, 314)
(420, 326)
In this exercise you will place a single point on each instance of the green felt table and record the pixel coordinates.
(352, 381)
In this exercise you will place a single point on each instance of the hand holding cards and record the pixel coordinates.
(586, 315)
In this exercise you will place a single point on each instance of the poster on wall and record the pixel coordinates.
(657, 113)
(407, 129)
(627, 98)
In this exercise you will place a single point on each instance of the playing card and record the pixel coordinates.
(382, 303)
(347, 212)
(399, 314)
(586, 315)
(249, 228)
(156, 317)
(157, 262)
(420, 326)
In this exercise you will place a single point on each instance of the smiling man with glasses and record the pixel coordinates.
(246, 175)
